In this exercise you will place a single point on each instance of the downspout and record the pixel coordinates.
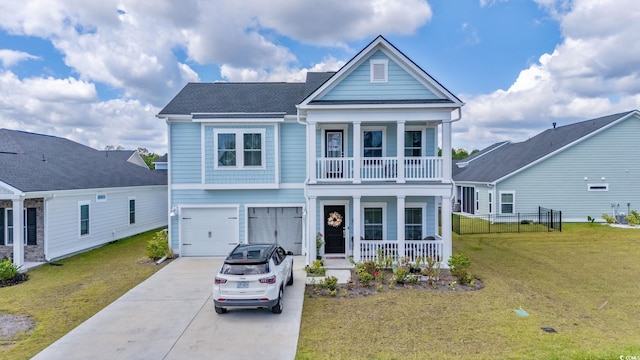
(305, 232)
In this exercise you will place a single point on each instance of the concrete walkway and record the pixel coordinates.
(171, 316)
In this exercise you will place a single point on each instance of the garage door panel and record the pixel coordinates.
(208, 231)
(282, 226)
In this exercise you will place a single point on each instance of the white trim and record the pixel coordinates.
(598, 187)
(513, 203)
(239, 142)
(199, 186)
(80, 205)
(347, 220)
(14, 191)
(383, 205)
(385, 70)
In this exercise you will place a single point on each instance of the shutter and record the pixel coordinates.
(1, 226)
(32, 228)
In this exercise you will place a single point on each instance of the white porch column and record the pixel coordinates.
(400, 152)
(400, 227)
(311, 153)
(357, 139)
(446, 231)
(18, 232)
(446, 151)
(357, 221)
(311, 225)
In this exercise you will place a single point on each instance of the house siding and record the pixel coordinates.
(400, 85)
(558, 182)
(292, 153)
(108, 221)
(185, 153)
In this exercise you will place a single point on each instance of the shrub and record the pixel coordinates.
(331, 283)
(316, 268)
(400, 274)
(8, 270)
(609, 219)
(432, 271)
(460, 267)
(158, 246)
(365, 278)
(633, 218)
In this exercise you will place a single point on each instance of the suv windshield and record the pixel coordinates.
(245, 269)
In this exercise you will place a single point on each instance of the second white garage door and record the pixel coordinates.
(208, 231)
(276, 225)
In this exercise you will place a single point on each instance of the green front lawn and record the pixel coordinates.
(583, 282)
(60, 298)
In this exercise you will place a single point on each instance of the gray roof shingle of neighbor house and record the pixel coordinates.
(501, 159)
(33, 162)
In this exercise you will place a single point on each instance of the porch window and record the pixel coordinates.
(9, 235)
(413, 223)
(372, 143)
(412, 143)
(373, 225)
(239, 148)
(84, 219)
(132, 211)
(29, 227)
(507, 202)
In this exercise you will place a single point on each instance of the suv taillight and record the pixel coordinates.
(220, 281)
(268, 280)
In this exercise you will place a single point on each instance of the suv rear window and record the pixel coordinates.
(245, 269)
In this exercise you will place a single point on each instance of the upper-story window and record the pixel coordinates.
(413, 143)
(372, 143)
(239, 148)
(379, 69)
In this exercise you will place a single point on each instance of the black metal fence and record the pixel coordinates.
(545, 220)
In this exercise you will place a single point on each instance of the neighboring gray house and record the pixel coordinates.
(582, 169)
(58, 197)
(131, 156)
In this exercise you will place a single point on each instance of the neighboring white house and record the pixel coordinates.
(58, 197)
(351, 155)
(584, 169)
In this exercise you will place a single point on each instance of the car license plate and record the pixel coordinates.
(243, 284)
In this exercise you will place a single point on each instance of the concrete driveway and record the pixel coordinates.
(171, 316)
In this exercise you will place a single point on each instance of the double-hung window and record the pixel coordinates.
(9, 218)
(132, 211)
(373, 223)
(412, 143)
(413, 223)
(507, 202)
(372, 143)
(239, 148)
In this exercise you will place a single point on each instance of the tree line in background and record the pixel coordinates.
(459, 154)
(147, 156)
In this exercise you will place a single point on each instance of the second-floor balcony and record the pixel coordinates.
(346, 169)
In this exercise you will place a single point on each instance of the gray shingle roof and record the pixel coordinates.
(496, 161)
(34, 162)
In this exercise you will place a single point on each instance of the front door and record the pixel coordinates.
(334, 229)
(334, 152)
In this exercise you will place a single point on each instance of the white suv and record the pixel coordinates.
(253, 275)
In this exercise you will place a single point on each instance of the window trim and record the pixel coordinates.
(422, 206)
(598, 187)
(239, 134)
(513, 203)
(383, 130)
(384, 218)
(132, 198)
(8, 237)
(80, 205)
(422, 131)
(385, 71)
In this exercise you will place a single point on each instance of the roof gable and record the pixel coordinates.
(507, 160)
(407, 83)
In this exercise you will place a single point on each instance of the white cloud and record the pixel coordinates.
(593, 72)
(12, 57)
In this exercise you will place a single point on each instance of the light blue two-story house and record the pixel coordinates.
(351, 156)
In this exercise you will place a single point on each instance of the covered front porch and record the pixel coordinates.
(365, 226)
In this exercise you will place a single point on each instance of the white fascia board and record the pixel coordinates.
(245, 121)
(224, 186)
(13, 192)
(371, 115)
(635, 113)
(377, 190)
(175, 118)
(75, 192)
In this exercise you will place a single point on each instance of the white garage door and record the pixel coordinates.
(208, 231)
(282, 226)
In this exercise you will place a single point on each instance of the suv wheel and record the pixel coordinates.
(290, 282)
(277, 308)
(220, 310)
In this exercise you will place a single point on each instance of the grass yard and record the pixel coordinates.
(60, 298)
(583, 282)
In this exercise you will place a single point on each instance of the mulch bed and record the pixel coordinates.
(18, 279)
(355, 289)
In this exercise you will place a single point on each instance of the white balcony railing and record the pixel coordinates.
(427, 168)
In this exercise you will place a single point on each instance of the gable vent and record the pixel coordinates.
(379, 70)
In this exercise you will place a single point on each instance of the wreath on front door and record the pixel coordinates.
(335, 219)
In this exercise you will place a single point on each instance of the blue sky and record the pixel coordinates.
(98, 72)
